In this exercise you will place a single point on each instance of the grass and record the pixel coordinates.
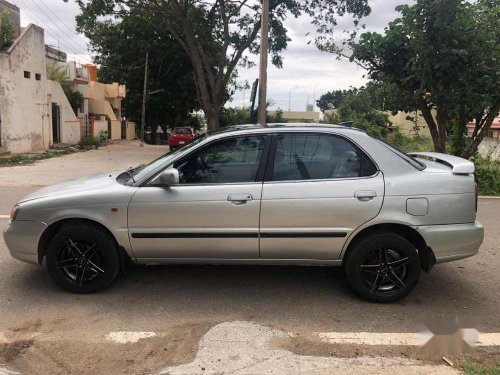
(473, 365)
(471, 368)
(88, 141)
(31, 158)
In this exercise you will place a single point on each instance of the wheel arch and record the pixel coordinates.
(426, 254)
(55, 227)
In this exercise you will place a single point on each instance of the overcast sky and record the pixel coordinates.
(307, 72)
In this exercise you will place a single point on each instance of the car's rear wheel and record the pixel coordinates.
(83, 258)
(382, 267)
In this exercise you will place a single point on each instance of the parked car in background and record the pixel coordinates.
(280, 195)
(180, 136)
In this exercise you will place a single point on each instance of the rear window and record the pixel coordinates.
(182, 131)
(409, 159)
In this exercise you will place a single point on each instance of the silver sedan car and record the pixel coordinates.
(287, 194)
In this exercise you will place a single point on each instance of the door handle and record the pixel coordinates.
(365, 195)
(239, 198)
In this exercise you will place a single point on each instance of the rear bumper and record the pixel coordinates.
(178, 142)
(22, 237)
(453, 241)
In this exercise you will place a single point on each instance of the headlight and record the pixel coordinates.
(14, 212)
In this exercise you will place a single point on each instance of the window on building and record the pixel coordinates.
(27, 74)
(38, 76)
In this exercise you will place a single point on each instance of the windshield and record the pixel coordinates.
(138, 173)
(410, 160)
(182, 131)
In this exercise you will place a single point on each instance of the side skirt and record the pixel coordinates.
(261, 262)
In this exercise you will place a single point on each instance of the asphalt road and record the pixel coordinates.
(292, 298)
(184, 302)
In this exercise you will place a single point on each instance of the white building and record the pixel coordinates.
(24, 112)
(35, 112)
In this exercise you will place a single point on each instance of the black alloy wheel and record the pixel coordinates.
(382, 267)
(83, 258)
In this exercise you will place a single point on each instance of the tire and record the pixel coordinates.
(82, 258)
(382, 267)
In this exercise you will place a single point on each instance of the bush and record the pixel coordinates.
(88, 141)
(408, 143)
(487, 175)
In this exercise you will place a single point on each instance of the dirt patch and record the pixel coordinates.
(303, 345)
(9, 351)
(176, 346)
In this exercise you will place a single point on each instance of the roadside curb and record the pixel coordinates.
(488, 197)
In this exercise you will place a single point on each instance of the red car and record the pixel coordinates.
(180, 136)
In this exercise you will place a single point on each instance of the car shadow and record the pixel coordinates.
(306, 296)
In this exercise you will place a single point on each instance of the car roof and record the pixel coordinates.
(295, 126)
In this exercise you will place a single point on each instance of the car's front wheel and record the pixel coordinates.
(382, 267)
(83, 258)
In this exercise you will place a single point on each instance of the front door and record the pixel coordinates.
(318, 189)
(213, 212)
(56, 123)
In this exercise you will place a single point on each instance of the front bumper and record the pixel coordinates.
(453, 241)
(22, 238)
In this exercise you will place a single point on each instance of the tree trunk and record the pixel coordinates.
(443, 123)
(212, 118)
(439, 145)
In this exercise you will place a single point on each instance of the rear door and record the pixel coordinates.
(319, 188)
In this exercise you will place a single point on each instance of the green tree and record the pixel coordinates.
(443, 55)
(218, 36)
(7, 30)
(234, 116)
(120, 48)
(332, 99)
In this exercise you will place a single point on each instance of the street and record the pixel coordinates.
(219, 319)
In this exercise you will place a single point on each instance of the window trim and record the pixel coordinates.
(259, 177)
(410, 160)
(270, 165)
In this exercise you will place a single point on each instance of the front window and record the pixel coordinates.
(232, 160)
(138, 173)
(318, 156)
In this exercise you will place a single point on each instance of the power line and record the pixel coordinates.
(66, 42)
(59, 29)
(64, 24)
(51, 32)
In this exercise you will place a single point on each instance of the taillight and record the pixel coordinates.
(477, 194)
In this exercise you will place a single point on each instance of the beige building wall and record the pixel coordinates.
(130, 130)
(299, 116)
(100, 125)
(25, 123)
(105, 100)
(70, 124)
(408, 126)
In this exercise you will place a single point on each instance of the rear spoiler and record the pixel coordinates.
(457, 165)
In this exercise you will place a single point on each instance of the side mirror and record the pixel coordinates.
(169, 177)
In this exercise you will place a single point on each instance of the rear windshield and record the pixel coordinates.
(182, 131)
(409, 159)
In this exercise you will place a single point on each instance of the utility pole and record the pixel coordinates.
(144, 99)
(264, 46)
